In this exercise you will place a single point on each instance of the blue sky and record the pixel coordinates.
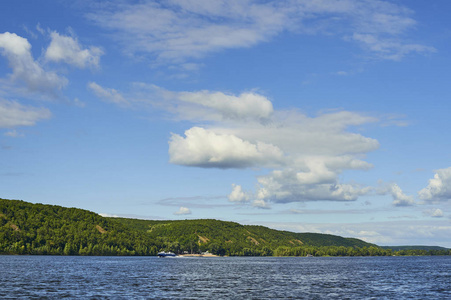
(326, 116)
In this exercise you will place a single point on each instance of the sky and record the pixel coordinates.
(327, 116)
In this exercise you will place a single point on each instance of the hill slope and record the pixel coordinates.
(232, 238)
(27, 228)
(415, 247)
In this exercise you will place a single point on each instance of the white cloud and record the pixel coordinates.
(40, 29)
(323, 135)
(30, 32)
(14, 45)
(175, 31)
(439, 188)
(202, 105)
(108, 95)
(260, 203)
(306, 154)
(244, 106)
(205, 148)
(12, 133)
(25, 69)
(181, 29)
(238, 195)
(399, 198)
(435, 213)
(13, 114)
(67, 49)
(284, 186)
(388, 48)
(77, 102)
(316, 150)
(183, 211)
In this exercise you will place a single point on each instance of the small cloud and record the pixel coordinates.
(398, 120)
(260, 204)
(79, 103)
(390, 49)
(132, 216)
(108, 95)
(434, 213)
(342, 73)
(67, 49)
(402, 217)
(106, 215)
(40, 29)
(13, 114)
(238, 195)
(399, 198)
(191, 66)
(13, 133)
(183, 211)
(30, 32)
(246, 106)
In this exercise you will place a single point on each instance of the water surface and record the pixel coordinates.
(225, 278)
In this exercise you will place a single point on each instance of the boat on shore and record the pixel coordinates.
(166, 254)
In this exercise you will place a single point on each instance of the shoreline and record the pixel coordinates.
(199, 255)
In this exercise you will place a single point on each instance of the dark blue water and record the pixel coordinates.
(57, 277)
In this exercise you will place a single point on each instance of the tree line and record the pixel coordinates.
(27, 228)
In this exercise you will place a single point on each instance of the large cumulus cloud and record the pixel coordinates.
(439, 187)
(205, 148)
(303, 155)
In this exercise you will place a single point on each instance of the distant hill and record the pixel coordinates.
(232, 238)
(427, 248)
(27, 228)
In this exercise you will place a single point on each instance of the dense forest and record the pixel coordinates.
(27, 228)
(229, 238)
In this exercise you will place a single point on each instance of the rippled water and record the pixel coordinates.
(229, 277)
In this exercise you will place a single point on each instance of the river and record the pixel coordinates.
(55, 277)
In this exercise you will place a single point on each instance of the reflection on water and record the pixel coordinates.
(230, 277)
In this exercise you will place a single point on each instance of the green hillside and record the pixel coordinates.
(419, 250)
(27, 228)
(229, 238)
(414, 247)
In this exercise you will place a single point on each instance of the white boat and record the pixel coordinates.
(166, 254)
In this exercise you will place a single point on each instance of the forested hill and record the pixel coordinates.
(233, 238)
(27, 228)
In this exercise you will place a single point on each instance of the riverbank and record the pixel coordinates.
(199, 255)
